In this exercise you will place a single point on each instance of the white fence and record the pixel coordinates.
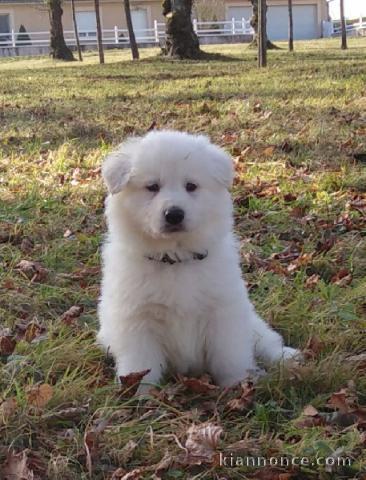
(118, 36)
(354, 29)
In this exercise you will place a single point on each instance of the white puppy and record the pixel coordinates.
(173, 296)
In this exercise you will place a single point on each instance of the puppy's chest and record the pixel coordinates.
(182, 334)
(183, 293)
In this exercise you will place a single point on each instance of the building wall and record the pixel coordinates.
(35, 16)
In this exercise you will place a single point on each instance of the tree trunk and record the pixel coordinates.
(290, 27)
(343, 26)
(131, 33)
(76, 33)
(262, 33)
(99, 32)
(254, 25)
(181, 39)
(59, 49)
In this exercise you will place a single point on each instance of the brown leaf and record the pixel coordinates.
(312, 281)
(309, 422)
(16, 467)
(289, 197)
(297, 212)
(202, 441)
(344, 400)
(7, 342)
(91, 442)
(246, 398)
(325, 245)
(70, 413)
(26, 245)
(33, 270)
(127, 452)
(310, 418)
(39, 395)
(25, 465)
(7, 408)
(71, 314)
(130, 383)
(342, 278)
(32, 331)
(313, 347)
(198, 385)
(269, 151)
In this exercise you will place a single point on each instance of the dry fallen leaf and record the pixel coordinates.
(246, 397)
(130, 383)
(342, 278)
(71, 314)
(32, 331)
(313, 347)
(25, 465)
(7, 408)
(201, 443)
(91, 442)
(269, 151)
(39, 395)
(32, 270)
(127, 452)
(7, 342)
(26, 245)
(16, 467)
(198, 385)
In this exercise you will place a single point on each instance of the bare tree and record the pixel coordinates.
(290, 27)
(343, 26)
(58, 48)
(131, 33)
(262, 33)
(76, 33)
(99, 32)
(181, 39)
(254, 25)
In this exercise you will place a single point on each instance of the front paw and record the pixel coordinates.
(289, 353)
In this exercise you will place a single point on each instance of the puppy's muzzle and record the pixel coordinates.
(173, 217)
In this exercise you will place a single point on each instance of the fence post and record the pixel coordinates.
(115, 34)
(156, 31)
(233, 26)
(243, 24)
(13, 42)
(195, 25)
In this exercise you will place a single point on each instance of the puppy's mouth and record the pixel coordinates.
(173, 229)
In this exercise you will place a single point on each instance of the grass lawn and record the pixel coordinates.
(297, 132)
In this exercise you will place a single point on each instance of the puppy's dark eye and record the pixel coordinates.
(191, 187)
(154, 187)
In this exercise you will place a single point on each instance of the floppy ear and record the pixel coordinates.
(223, 169)
(117, 166)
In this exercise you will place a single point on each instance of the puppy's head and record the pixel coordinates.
(170, 185)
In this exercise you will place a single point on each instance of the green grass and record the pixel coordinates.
(293, 130)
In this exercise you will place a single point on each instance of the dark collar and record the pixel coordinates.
(173, 257)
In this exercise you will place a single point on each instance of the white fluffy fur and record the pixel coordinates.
(193, 316)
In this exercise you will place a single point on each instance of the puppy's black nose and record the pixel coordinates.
(174, 215)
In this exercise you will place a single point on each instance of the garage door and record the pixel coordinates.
(139, 22)
(305, 22)
(87, 24)
(239, 12)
